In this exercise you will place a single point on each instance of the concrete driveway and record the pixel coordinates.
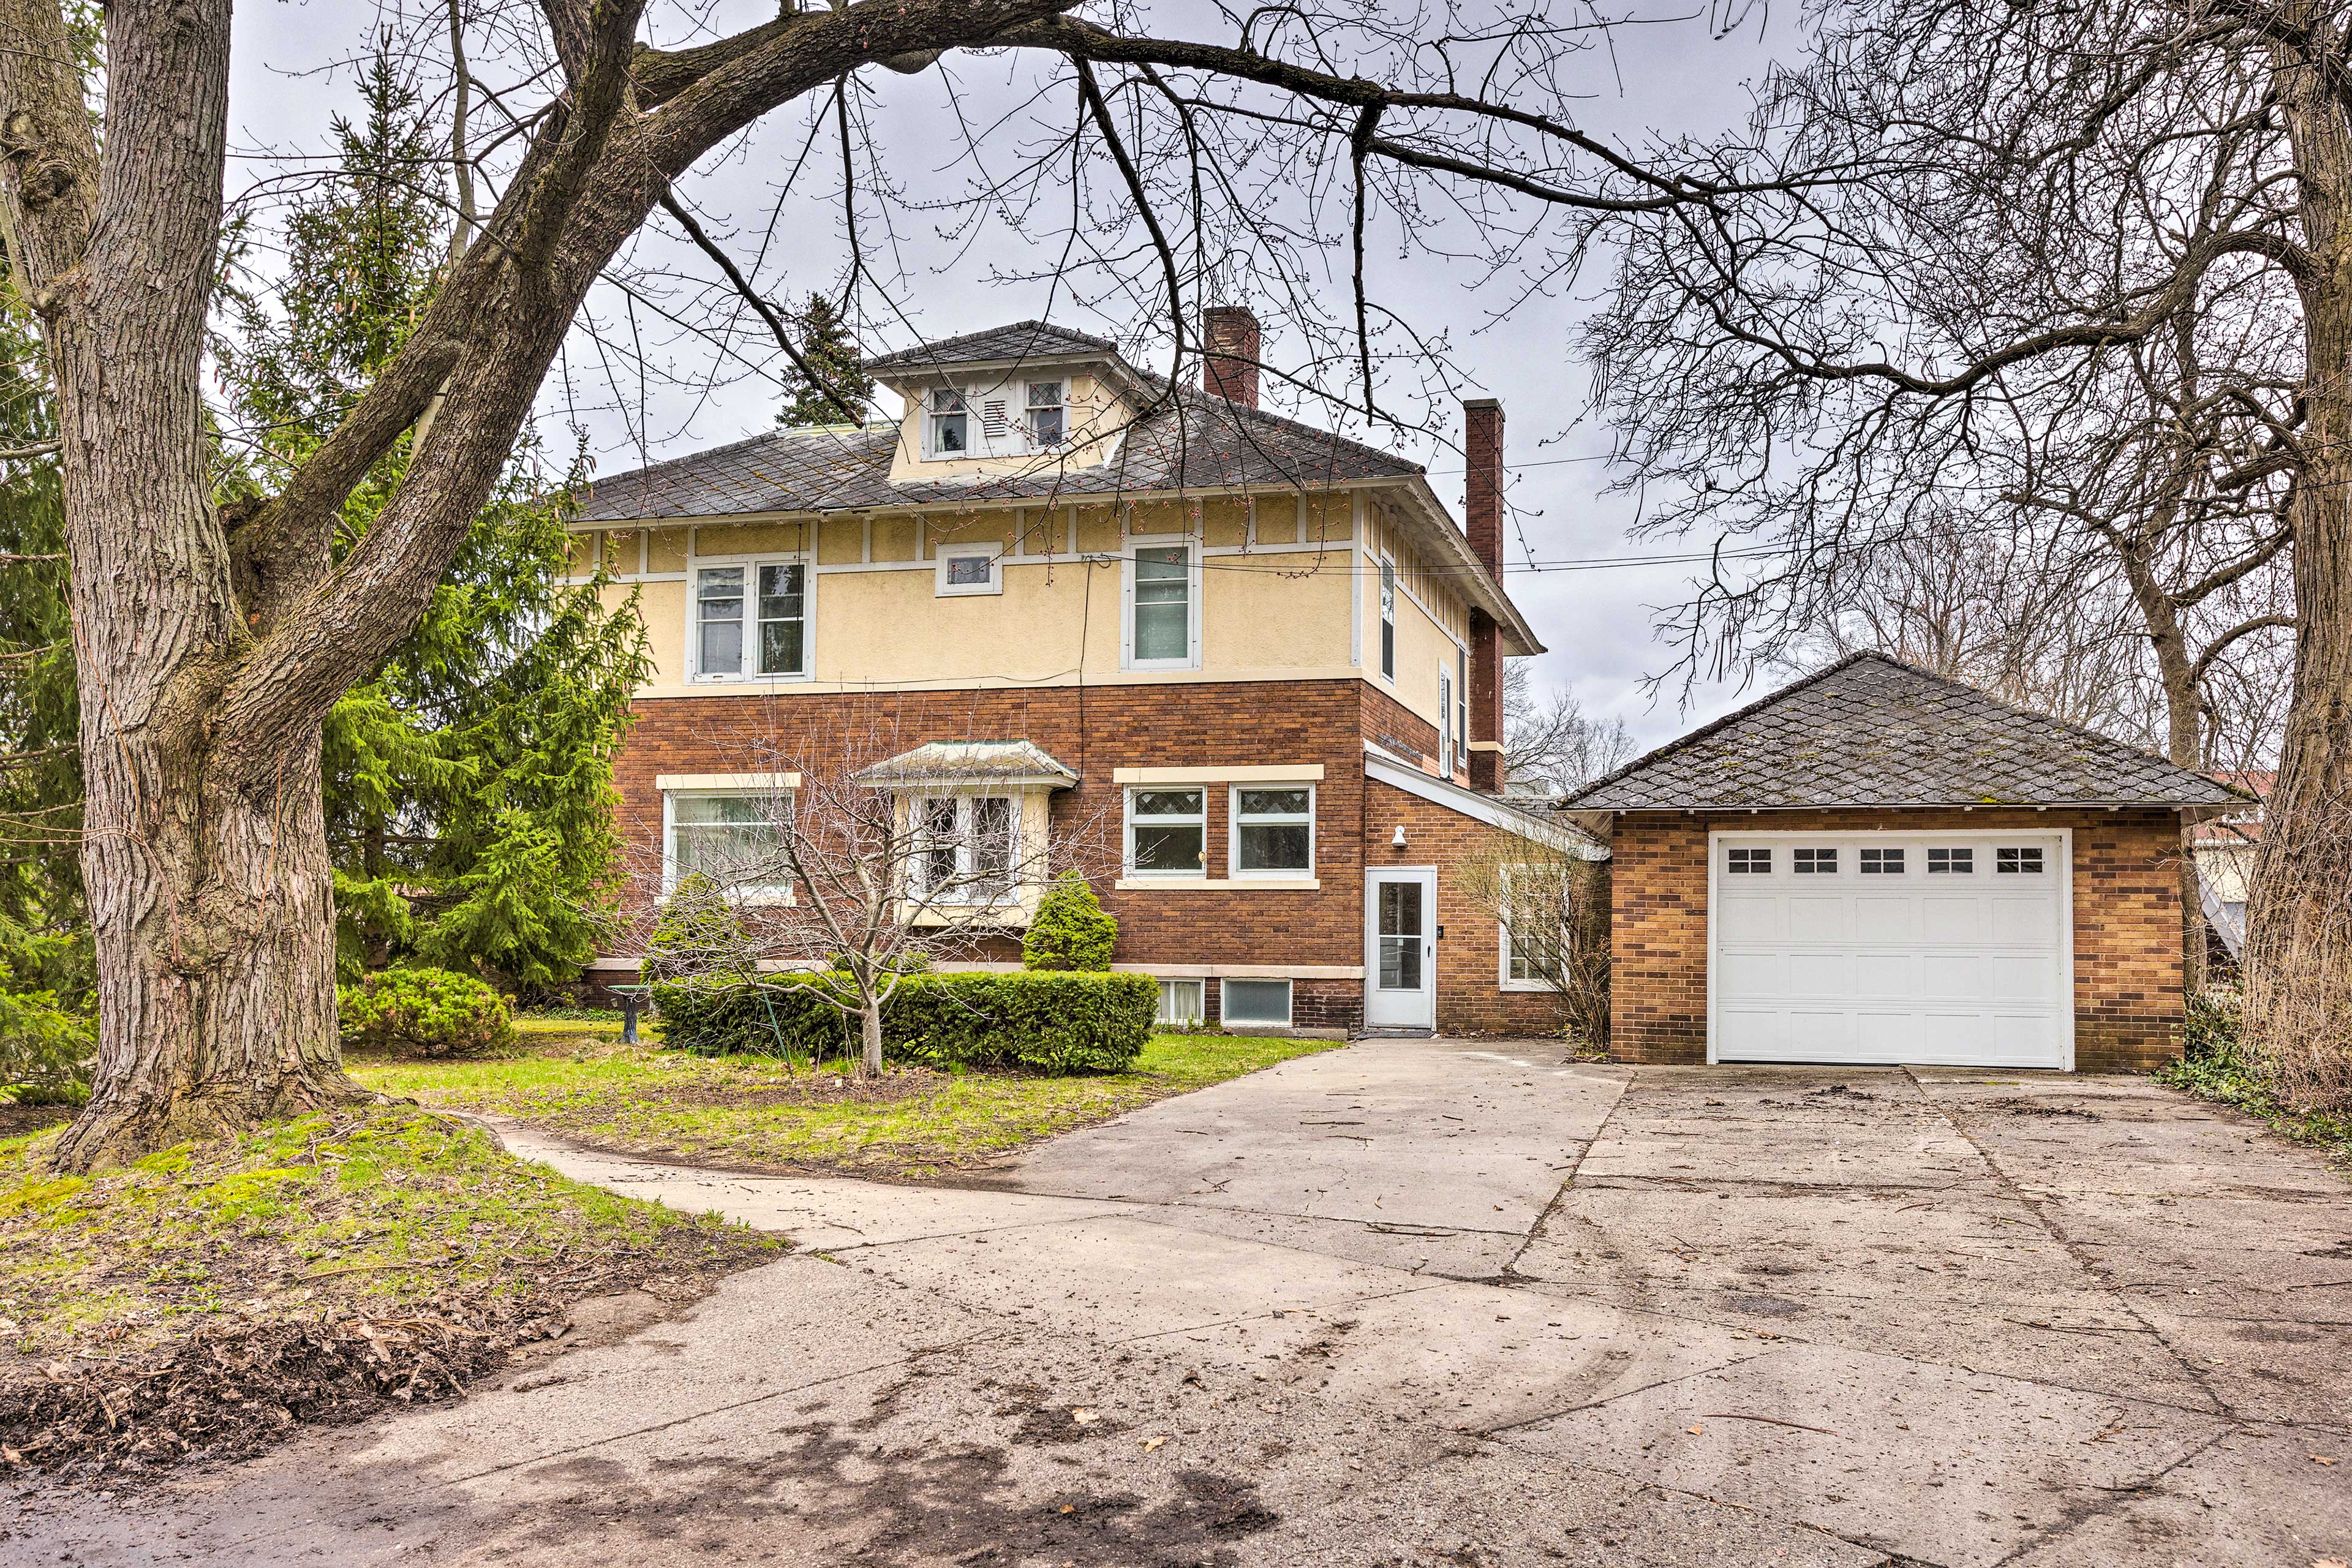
(1423, 1303)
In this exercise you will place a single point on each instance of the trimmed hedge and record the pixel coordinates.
(1048, 1023)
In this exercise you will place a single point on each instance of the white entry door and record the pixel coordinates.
(1952, 949)
(1400, 949)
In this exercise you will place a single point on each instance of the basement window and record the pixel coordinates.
(1265, 1003)
(1181, 1004)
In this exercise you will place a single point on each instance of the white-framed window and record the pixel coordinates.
(1264, 1003)
(1048, 414)
(1750, 862)
(2026, 860)
(1388, 618)
(1273, 830)
(967, 848)
(1524, 949)
(947, 425)
(1167, 832)
(1164, 604)
(1461, 705)
(970, 569)
(1815, 862)
(1952, 862)
(734, 838)
(1882, 862)
(1445, 721)
(762, 632)
(1181, 1004)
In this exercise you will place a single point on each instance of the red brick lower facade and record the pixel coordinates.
(1315, 937)
(2127, 925)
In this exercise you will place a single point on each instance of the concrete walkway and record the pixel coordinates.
(1426, 1302)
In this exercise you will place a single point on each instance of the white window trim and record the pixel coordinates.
(1234, 833)
(1128, 870)
(1127, 659)
(1445, 755)
(1160, 1020)
(932, 449)
(1386, 588)
(992, 553)
(1029, 415)
(913, 801)
(1289, 1006)
(697, 565)
(1503, 978)
(777, 893)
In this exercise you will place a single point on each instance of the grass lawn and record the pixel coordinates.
(757, 1112)
(318, 1262)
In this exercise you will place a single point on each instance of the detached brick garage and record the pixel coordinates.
(1876, 865)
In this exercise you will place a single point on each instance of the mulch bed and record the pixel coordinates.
(230, 1389)
(15, 1120)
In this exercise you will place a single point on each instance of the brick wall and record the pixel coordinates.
(1470, 997)
(1101, 730)
(2127, 911)
(1093, 733)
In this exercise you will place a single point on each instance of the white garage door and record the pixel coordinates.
(1951, 950)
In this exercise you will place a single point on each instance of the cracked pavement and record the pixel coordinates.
(1419, 1302)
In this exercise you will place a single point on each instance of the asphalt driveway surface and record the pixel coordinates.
(1426, 1303)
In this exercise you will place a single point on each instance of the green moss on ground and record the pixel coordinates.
(371, 1210)
(761, 1112)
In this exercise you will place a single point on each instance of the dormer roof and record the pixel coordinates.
(1021, 342)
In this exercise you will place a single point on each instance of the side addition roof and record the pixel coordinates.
(1871, 731)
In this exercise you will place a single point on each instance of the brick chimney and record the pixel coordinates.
(1229, 362)
(1482, 520)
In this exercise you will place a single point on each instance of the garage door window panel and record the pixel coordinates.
(1882, 862)
(1750, 862)
(1816, 862)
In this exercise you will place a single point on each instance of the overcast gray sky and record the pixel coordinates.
(1670, 77)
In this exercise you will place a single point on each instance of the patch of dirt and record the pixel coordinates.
(15, 1120)
(2019, 1106)
(230, 1389)
(1841, 1092)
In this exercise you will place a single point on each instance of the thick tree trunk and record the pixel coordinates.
(2299, 938)
(214, 923)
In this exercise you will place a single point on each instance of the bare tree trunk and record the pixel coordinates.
(871, 1064)
(2184, 737)
(2298, 1011)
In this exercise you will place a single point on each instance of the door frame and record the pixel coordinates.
(2066, 837)
(1427, 877)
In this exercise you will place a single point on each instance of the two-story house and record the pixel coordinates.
(1267, 654)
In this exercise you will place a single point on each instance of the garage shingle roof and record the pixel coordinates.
(1869, 731)
(1188, 441)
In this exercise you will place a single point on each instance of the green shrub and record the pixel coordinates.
(2212, 1030)
(699, 934)
(46, 1050)
(1046, 1023)
(427, 1012)
(1071, 930)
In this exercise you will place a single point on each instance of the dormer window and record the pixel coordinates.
(1049, 413)
(950, 432)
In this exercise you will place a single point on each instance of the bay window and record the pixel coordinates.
(964, 850)
(1167, 832)
(1274, 830)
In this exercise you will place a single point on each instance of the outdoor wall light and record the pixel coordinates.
(1398, 841)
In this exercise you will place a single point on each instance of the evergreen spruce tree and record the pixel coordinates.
(468, 784)
(831, 352)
